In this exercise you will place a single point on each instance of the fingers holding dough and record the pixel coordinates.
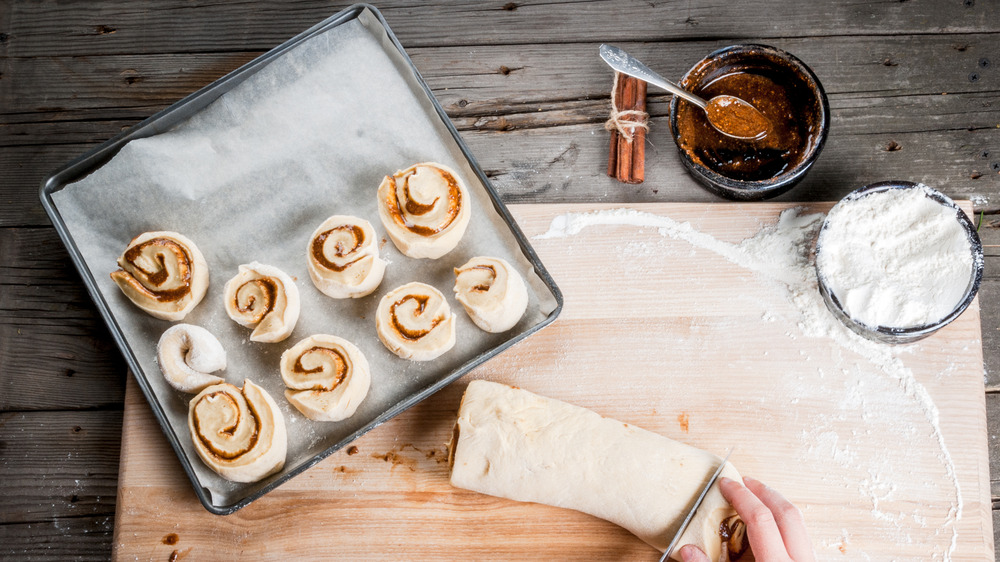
(163, 273)
(187, 354)
(327, 377)
(492, 293)
(415, 322)
(425, 209)
(264, 298)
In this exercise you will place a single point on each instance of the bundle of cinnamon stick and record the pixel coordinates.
(627, 154)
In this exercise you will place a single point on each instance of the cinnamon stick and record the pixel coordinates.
(624, 143)
(639, 139)
(626, 153)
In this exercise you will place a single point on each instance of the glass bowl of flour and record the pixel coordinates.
(897, 261)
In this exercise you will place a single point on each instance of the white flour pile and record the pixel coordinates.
(782, 253)
(895, 258)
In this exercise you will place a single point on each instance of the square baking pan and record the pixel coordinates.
(96, 214)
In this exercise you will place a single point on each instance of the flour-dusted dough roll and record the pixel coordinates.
(425, 209)
(327, 377)
(343, 258)
(415, 322)
(163, 273)
(264, 298)
(492, 293)
(514, 444)
(240, 434)
(187, 354)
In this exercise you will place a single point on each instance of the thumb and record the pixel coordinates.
(691, 553)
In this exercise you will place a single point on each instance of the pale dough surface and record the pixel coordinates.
(187, 354)
(492, 293)
(514, 444)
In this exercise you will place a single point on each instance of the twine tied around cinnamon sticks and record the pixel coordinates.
(628, 124)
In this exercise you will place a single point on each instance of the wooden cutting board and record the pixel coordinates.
(657, 332)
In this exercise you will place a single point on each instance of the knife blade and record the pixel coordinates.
(697, 504)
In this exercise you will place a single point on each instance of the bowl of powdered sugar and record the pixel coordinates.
(897, 261)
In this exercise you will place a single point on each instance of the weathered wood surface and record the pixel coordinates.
(914, 88)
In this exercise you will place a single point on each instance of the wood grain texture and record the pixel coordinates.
(175, 26)
(56, 352)
(63, 538)
(508, 97)
(58, 465)
(784, 395)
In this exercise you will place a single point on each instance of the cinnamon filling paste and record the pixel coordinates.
(340, 371)
(733, 532)
(407, 333)
(267, 288)
(415, 208)
(229, 430)
(482, 288)
(340, 250)
(789, 116)
(146, 282)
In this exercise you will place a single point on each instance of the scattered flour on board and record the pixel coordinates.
(782, 253)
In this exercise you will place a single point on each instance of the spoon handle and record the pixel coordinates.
(627, 64)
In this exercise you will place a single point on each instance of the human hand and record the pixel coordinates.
(775, 527)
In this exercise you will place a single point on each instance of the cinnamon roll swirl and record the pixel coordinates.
(415, 322)
(264, 298)
(425, 209)
(343, 258)
(492, 293)
(163, 273)
(240, 434)
(327, 377)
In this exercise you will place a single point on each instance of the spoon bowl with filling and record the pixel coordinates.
(786, 114)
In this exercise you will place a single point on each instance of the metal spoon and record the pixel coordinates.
(729, 115)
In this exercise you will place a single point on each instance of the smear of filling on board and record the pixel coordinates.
(782, 253)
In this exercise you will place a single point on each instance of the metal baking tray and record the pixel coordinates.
(419, 381)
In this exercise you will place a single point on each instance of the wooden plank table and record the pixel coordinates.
(914, 88)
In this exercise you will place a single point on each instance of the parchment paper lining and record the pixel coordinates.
(249, 178)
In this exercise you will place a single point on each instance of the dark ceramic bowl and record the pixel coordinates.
(888, 334)
(722, 169)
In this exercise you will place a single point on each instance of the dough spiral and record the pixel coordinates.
(163, 273)
(415, 322)
(425, 209)
(492, 293)
(264, 298)
(187, 354)
(240, 434)
(327, 377)
(343, 257)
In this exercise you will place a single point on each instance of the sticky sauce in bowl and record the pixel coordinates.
(788, 106)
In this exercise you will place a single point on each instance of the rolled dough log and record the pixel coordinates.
(514, 444)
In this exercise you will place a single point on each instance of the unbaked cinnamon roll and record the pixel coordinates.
(343, 258)
(415, 322)
(240, 434)
(492, 292)
(187, 354)
(425, 209)
(264, 298)
(327, 377)
(163, 273)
